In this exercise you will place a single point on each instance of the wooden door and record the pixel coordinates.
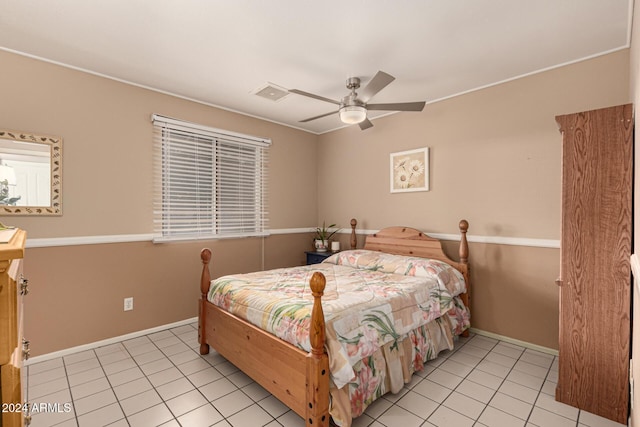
(595, 277)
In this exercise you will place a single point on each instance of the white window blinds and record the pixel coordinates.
(209, 183)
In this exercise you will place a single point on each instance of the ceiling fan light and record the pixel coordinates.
(352, 114)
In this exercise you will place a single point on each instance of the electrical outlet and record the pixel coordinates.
(128, 304)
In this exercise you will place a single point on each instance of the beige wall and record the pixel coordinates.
(495, 161)
(78, 291)
(108, 152)
(495, 155)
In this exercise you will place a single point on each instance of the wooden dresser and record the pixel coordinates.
(13, 348)
(595, 270)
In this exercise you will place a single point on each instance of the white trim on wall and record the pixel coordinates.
(514, 341)
(496, 240)
(129, 238)
(502, 240)
(87, 240)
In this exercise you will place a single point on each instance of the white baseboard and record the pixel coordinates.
(515, 341)
(102, 343)
(94, 345)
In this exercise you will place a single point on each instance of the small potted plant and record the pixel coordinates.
(323, 234)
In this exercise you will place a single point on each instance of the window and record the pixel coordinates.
(209, 182)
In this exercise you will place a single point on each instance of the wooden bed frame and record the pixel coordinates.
(297, 378)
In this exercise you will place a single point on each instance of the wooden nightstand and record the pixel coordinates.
(317, 257)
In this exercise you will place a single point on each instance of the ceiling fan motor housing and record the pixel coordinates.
(352, 100)
(353, 83)
(351, 109)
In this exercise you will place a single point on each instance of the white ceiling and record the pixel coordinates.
(220, 52)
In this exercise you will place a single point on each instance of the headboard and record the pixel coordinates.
(412, 242)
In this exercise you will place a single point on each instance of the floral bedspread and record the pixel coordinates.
(385, 316)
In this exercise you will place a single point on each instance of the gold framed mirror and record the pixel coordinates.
(30, 174)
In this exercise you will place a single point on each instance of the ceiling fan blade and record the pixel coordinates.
(311, 95)
(365, 124)
(399, 106)
(318, 117)
(377, 83)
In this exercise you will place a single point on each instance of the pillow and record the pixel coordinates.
(364, 259)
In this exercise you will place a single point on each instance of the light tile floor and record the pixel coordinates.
(161, 380)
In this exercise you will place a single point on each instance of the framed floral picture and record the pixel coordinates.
(410, 170)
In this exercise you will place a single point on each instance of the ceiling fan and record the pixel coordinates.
(353, 107)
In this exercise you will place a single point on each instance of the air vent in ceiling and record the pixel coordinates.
(272, 92)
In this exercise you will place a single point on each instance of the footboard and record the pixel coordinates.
(299, 379)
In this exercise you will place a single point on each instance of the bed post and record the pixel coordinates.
(205, 281)
(317, 361)
(464, 245)
(354, 240)
(463, 252)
